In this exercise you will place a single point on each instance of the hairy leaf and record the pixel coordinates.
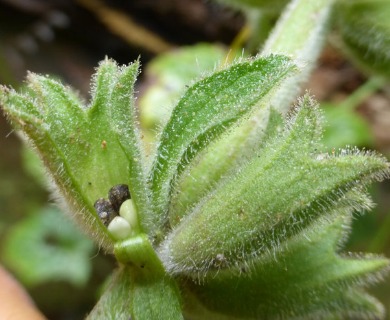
(281, 191)
(81, 146)
(130, 295)
(123, 115)
(115, 303)
(224, 157)
(167, 76)
(208, 109)
(154, 295)
(302, 279)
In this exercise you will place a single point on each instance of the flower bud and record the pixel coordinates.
(119, 228)
(128, 212)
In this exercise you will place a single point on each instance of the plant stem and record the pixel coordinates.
(363, 92)
(300, 34)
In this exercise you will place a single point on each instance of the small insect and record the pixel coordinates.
(105, 211)
(118, 194)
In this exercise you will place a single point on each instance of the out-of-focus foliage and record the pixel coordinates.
(46, 246)
(365, 30)
(167, 77)
(274, 6)
(345, 127)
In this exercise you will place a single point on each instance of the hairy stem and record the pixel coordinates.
(300, 34)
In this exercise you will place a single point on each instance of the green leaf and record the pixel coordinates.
(168, 75)
(123, 120)
(345, 127)
(115, 302)
(365, 30)
(224, 157)
(140, 289)
(303, 278)
(208, 109)
(47, 247)
(154, 294)
(287, 186)
(86, 150)
(157, 299)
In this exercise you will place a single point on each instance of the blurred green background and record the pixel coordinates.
(177, 41)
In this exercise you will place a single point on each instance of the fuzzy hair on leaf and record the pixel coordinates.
(277, 194)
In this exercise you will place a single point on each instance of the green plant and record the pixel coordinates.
(238, 213)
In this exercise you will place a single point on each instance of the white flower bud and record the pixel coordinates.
(128, 212)
(119, 228)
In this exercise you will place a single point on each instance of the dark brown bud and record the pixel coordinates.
(105, 211)
(118, 194)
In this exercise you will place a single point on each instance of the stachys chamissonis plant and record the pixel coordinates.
(240, 213)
